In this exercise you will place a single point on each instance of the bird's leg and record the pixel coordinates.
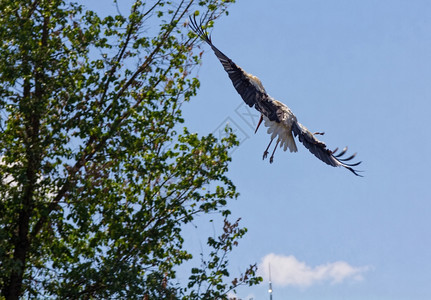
(258, 124)
(271, 159)
(265, 154)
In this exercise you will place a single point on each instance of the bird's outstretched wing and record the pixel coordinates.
(319, 149)
(248, 86)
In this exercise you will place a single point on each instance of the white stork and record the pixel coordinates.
(279, 119)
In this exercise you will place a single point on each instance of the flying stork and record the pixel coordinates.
(281, 122)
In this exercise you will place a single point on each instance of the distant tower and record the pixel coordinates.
(270, 283)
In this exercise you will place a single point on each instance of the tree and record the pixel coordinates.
(96, 181)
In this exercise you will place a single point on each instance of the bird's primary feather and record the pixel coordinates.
(278, 117)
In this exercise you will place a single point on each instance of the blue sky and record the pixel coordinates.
(361, 72)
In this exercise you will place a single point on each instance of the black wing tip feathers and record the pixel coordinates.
(319, 150)
(354, 171)
(342, 161)
(197, 28)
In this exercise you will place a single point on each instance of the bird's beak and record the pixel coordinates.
(258, 124)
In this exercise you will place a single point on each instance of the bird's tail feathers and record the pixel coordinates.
(288, 142)
(283, 134)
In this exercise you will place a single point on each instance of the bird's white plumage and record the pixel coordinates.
(282, 130)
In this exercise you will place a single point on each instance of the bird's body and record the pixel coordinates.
(283, 129)
(281, 122)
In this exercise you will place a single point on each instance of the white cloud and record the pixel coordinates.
(287, 270)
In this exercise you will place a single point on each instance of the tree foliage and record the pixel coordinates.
(97, 178)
